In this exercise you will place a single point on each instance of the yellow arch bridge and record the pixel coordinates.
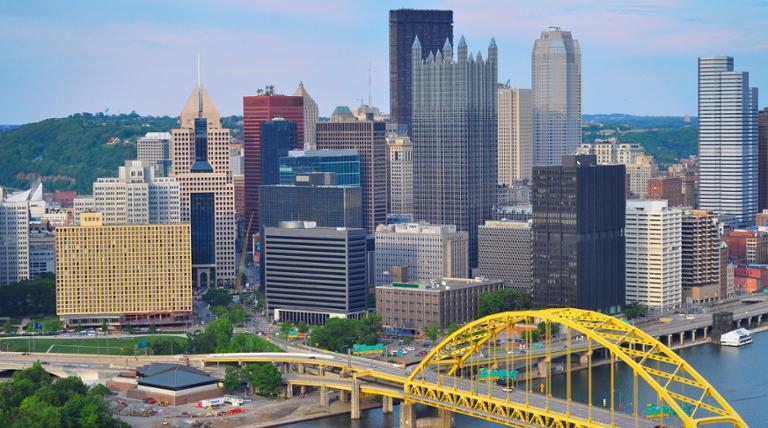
(453, 376)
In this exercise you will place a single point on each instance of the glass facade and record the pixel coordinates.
(201, 146)
(345, 163)
(203, 223)
(278, 137)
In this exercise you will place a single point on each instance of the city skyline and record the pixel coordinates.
(68, 53)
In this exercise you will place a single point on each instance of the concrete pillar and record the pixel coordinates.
(288, 391)
(407, 415)
(682, 337)
(584, 358)
(445, 418)
(669, 340)
(324, 399)
(300, 368)
(693, 335)
(543, 366)
(355, 408)
(343, 397)
(705, 331)
(387, 404)
(302, 390)
(321, 371)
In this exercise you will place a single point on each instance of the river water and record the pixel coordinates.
(739, 374)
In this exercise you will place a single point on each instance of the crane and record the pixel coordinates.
(243, 256)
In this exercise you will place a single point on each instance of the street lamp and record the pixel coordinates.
(349, 355)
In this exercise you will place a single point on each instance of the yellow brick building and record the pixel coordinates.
(138, 274)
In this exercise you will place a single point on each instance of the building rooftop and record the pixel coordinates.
(172, 376)
(441, 285)
(321, 153)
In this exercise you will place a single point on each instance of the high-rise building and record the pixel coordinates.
(367, 137)
(400, 175)
(257, 110)
(762, 170)
(200, 163)
(42, 248)
(420, 252)
(639, 172)
(726, 271)
(728, 149)
(16, 211)
(313, 197)
(135, 274)
(653, 254)
(454, 138)
(344, 163)
(433, 28)
(701, 256)
(136, 196)
(556, 96)
(515, 134)
(506, 252)
(311, 116)
(578, 235)
(278, 137)
(313, 273)
(154, 150)
(669, 188)
(82, 204)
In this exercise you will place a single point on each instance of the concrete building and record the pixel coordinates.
(311, 116)
(506, 252)
(556, 96)
(420, 252)
(515, 151)
(442, 302)
(154, 149)
(454, 131)
(728, 147)
(400, 175)
(82, 204)
(367, 137)
(701, 257)
(578, 235)
(433, 28)
(173, 384)
(42, 248)
(137, 197)
(134, 274)
(639, 166)
(313, 273)
(653, 254)
(16, 211)
(200, 163)
(726, 271)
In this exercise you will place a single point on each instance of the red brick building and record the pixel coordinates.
(750, 279)
(747, 246)
(669, 188)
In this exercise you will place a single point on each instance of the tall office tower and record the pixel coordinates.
(311, 116)
(257, 110)
(154, 149)
(312, 197)
(344, 163)
(367, 137)
(762, 138)
(701, 257)
(278, 137)
(454, 138)
(135, 274)
(420, 252)
(556, 96)
(433, 28)
(313, 273)
(506, 252)
(578, 235)
(14, 241)
(400, 175)
(515, 134)
(728, 149)
(200, 163)
(137, 197)
(669, 188)
(42, 248)
(726, 272)
(639, 173)
(653, 254)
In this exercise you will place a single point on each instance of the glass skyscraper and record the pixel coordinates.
(345, 163)
(278, 137)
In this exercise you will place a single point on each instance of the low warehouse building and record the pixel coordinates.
(173, 384)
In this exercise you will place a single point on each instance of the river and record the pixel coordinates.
(739, 374)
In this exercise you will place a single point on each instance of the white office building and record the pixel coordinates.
(154, 150)
(400, 175)
(653, 254)
(515, 125)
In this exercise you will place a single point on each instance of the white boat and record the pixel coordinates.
(738, 337)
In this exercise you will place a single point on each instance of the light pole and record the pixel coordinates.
(349, 355)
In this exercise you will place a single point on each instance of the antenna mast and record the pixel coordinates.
(369, 84)
(199, 89)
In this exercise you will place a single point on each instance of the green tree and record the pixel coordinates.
(452, 328)
(285, 328)
(336, 335)
(30, 297)
(233, 378)
(51, 325)
(635, 310)
(503, 300)
(166, 346)
(370, 329)
(104, 326)
(217, 297)
(302, 327)
(263, 378)
(8, 327)
(432, 332)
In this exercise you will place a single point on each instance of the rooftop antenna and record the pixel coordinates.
(199, 89)
(369, 83)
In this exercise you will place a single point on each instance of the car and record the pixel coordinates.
(410, 348)
(422, 353)
(510, 389)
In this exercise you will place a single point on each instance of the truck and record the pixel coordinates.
(234, 401)
(211, 402)
(665, 320)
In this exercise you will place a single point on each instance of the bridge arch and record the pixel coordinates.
(675, 382)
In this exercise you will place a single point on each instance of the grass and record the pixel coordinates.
(90, 345)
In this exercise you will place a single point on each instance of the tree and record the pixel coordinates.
(336, 335)
(104, 326)
(51, 325)
(285, 328)
(407, 340)
(634, 310)
(165, 346)
(451, 329)
(302, 327)
(8, 327)
(503, 300)
(217, 297)
(233, 378)
(263, 378)
(432, 332)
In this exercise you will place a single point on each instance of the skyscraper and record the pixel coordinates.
(278, 137)
(200, 163)
(762, 138)
(515, 134)
(556, 95)
(506, 252)
(367, 137)
(400, 175)
(432, 27)
(344, 163)
(728, 149)
(258, 109)
(154, 149)
(701, 257)
(454, 138)
(311, 117)
(578, 235)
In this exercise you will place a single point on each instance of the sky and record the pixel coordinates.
(63, 57)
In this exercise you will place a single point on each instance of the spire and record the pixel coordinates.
(416, 51)
(447, 48)
(199, 89)
(493, 51)
(438, 56)
(462, 49)
(479, 57)
(416, 43)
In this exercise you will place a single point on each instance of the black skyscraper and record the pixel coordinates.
(432, 27)
(278, 137)
(578, 235)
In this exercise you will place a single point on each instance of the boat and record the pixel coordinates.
(738, 337)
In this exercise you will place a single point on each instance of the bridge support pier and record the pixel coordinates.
(302, 390)
(300, 368)
(325, 401)
(355, 407)
(669, 340)
(543, 366)
(288, 390)
(445, 418)
(693, 335)
(584, 358)
(407, 415)
(387, 404)
(343, 397)
(682, 337)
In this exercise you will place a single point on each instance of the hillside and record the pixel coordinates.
(70, 153)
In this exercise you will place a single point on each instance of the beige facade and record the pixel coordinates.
(400, 175)
(154, 150)
(135, 274)
(311, 117)
(416, 306)
(515, 141)
(640, 167)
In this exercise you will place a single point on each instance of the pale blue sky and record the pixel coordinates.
(61, 57)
